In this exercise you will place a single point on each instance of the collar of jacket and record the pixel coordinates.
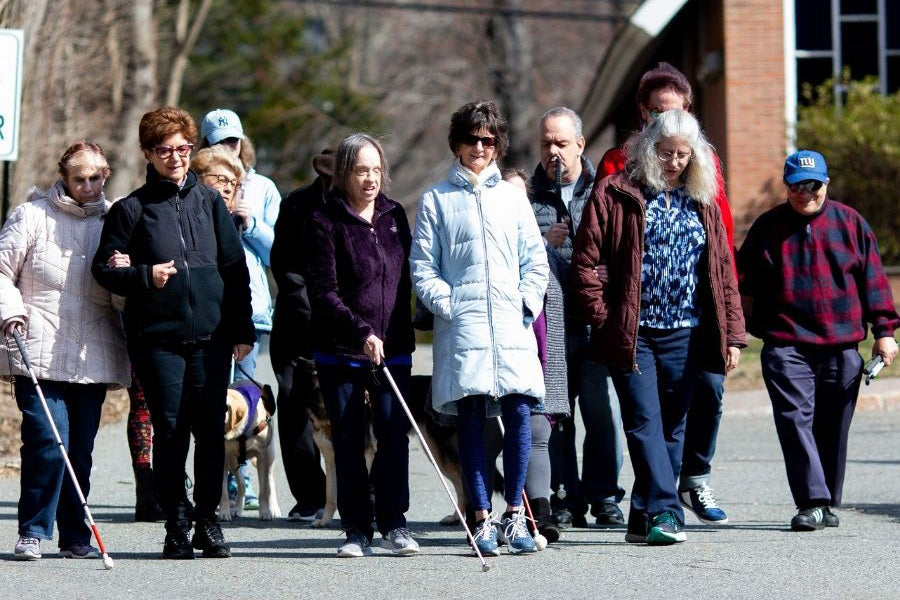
(460, 176)
(542, 184)
(57, 198)
(167, 187)
(340, 207)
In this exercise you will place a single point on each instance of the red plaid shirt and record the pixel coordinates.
(815, 280)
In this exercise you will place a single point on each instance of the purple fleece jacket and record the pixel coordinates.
(357, 277)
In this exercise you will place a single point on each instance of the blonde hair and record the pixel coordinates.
(643, 164)
(209, 158)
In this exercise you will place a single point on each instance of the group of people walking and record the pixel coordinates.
(615, 290)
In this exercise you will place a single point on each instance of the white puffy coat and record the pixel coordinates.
(478, 263)
(73, 334)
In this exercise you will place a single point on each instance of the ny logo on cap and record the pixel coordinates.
(806, 162)
(223, 122)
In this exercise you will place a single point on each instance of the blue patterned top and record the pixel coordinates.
(674, 240)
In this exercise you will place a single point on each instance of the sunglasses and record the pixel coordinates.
(472, 140)
(164, 152)
(811, 186)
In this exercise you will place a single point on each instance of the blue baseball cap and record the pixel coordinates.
(805, 165)
(219, 125)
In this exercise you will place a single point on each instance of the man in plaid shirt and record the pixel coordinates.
(812, 278)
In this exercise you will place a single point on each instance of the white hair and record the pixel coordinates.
(643, 164)
(564, 111)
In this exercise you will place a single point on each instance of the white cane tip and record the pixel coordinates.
(107, 563)
(485, 568)
(540, 541)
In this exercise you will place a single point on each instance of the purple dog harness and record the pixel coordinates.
(252, 395)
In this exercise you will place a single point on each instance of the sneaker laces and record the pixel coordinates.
(706, 498)
(28, 541)
(401, 534)
(484, 530)
(665, 517)
(516, 525)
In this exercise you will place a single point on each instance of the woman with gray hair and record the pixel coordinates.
(653, 275)
(357, 275)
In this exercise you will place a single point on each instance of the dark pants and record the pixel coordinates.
(343, 388)
(537, 478)
(299, 454)
(185, 386)
(516, 414)
(702, 430)
(47, 492)
(655, 401)
(813, 391)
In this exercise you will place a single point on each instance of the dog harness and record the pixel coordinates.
(252, 395)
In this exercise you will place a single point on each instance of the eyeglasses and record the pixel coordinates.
(812, 186)
(223, 180)
(665, 157)
(164, 152)
(472, 140)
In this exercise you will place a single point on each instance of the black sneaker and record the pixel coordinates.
(665, 529)
(177, 546)
(831, 519)
(208, 537)
(562, 517)
(809, 519)
(608, 514)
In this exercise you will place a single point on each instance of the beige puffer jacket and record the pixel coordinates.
(73, 333)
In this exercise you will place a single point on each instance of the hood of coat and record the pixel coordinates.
(57, 198)
(462, 177)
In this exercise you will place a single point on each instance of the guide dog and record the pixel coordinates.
(249, 435)
(441, 439)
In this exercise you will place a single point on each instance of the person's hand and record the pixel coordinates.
(731, 361)
(118, 260)
(374, 349)
(887, 348)
(15, 324)
(162, 272)
(241, 209)
(241, 351)
(557, 234)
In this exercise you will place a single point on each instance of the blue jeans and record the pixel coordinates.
(655, 400)
(185, 386)
(604, 439)
(516, 414)
(702, 430)
(343, 389)
(47, 492)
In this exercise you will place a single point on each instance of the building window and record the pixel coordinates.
(860, 35)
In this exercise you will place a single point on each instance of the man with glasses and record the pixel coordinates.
(812, 280)
(562, 183)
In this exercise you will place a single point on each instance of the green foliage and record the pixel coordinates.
(288, 79)
(861, 143)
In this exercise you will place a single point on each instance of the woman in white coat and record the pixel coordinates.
(478, 263)
(74, 339)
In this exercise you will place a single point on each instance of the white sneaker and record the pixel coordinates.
(27, 548)
(400, 541)
(356, 546)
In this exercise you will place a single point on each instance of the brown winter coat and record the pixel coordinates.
(611, 235)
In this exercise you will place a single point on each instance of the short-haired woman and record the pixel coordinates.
(188, 311)
(357, 251)
(75, 341)
(479, 264)
(653, 274)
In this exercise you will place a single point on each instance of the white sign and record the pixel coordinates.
(12, 44)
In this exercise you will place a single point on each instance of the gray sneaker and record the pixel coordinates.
(79, 551)
(27, 548)
(400, 541)
(356, 546)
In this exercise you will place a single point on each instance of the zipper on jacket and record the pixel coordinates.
(187, 268)
(378, 246)
(487, 279)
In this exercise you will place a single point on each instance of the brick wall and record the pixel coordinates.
(754, 148)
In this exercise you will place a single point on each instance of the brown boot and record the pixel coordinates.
(146, 506)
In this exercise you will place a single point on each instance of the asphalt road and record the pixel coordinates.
(755, 557)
